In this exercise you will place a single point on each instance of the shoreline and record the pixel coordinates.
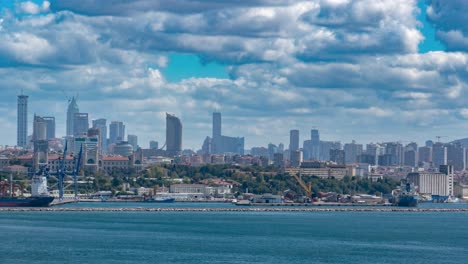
(244, 209)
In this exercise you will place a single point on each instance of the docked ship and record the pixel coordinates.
(39, 195)
(160, 199)
(406, 195)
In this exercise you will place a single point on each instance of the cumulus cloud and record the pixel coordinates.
(347, 67)
(449, 18)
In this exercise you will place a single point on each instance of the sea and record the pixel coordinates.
(232, 237)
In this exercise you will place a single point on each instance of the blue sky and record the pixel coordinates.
(369, 70)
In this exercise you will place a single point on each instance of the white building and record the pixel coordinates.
(434, 183)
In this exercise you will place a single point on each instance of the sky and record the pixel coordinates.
(364, 70)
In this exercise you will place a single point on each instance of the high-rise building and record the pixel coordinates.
(173, 135)
(325, 147)
(71, 111)
(153, 144)
(439, 154)
(22, 124)
(293, 140)
(456, 156)
(396, 150)
(296, 158)
(50, 120)
(116, 132)
(424, 154)
(338, 156)
(315, 144)
(80, 124)
(216, 124)
(133, 140)
(101, 124)
(223, 144)
(352, 151)
(39, 138)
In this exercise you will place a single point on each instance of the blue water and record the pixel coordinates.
(233, 237)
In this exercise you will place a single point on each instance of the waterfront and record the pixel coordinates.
(231, 237)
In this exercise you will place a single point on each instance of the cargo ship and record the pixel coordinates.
(406, 196)
(160, 199)
(39, 195)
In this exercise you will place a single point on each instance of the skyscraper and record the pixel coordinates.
(223, 144)
(293, 140)
(216, 124)
(116, 132)
(50, 121)
(133, 140)
(22, 124)
(173, 135)
(80, 124)
(315, 144)
(101, 124)
(71, 111)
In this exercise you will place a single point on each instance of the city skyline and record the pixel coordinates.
(387, 71)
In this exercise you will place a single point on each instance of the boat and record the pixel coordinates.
(26, 201)
(406, 196)
(39, 195)
(243, 203)
(160, 199)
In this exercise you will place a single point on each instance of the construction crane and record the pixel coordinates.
(306, 187)
(76, 171)
(439, 137)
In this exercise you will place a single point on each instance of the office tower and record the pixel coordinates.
(352, 151)
(101, 124)
(153, 144)
(41, 146)
(293, 140)
(206, 147)
(315, 144)
(439, 154)
(338, 156)
(278, 160)
(80, 124)
(307, 149)
(216, 124)
(116, 132)
(50, 120)
(272, 149)
(22, 122)
(325, 147)
(429, 143)
(280, 148)
(424, 154)
(296, 158)
(216, 140)
(223, 144)
(173, 135)
(71, 111)
(133, 140)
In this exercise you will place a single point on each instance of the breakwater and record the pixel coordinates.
(240, 209)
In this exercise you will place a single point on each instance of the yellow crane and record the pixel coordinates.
(307, 187)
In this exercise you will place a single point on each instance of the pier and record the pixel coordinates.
(243, 209)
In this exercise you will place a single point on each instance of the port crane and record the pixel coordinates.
(306, 187)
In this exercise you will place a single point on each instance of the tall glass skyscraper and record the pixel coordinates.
(71, 111)
(22, 125)
(101, 124)
(293, 140)
(173, 135)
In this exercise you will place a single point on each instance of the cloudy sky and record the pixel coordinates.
(369, 70)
